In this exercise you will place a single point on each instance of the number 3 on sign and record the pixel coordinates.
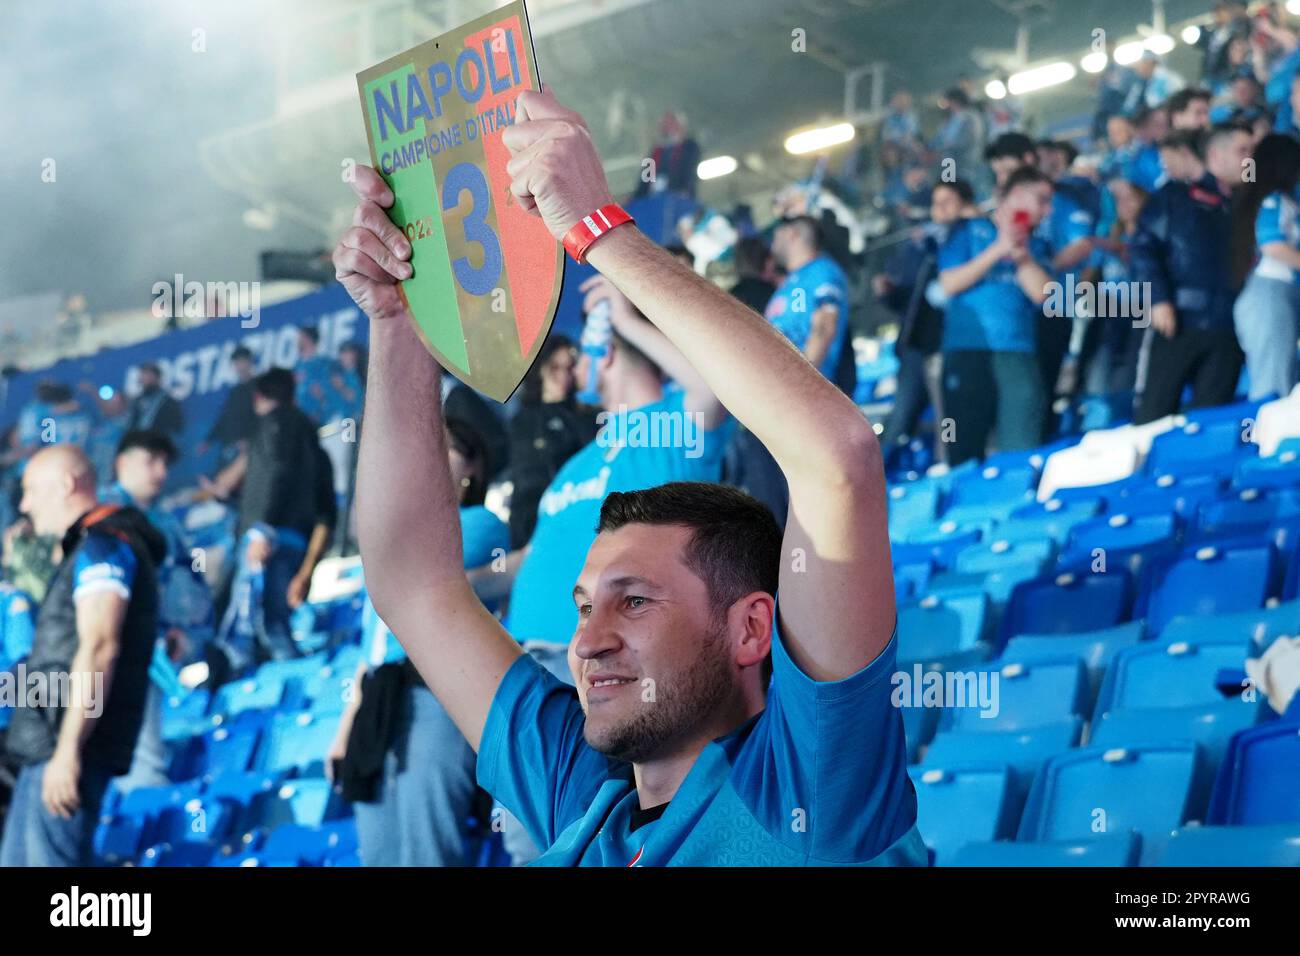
(469, 177)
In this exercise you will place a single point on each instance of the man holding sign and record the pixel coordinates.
(674, 748)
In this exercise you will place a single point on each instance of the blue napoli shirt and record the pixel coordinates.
(315, 390)
(482, 533)
(805, 290)
(1277, 221)
(103, 564)
(994, 314)
(541, 602)
(17, 625)
(819, 778)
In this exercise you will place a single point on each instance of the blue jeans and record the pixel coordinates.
(426, 794)
(35, 837)
(152, 757)
(256, 623)
(1266, 315)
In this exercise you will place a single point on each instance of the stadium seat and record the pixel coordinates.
(1079, 473)
(1120, 849)
(911, 579)
(1023, 752)
(956, 807)
(938, 543)
(997, 583)
(1280, 471)
(993, 555)
(1052, 519)
(912, 505)
(1148, 790)
(1125, 541)
(1183, 495)
(1154, 675)
(1249, 510)
(1198, 443)
(262, 692)
(1094, 649)
(220, 750)
(1257, 781)
(1210, 726)
(1209, 580)
(943, 629)
(991, 492)
(1067, 603)
(297, 741)
(1023, 696)
(308, 801)
(183, 717)
(919, 725)
(1277, 845)
(1256, 628)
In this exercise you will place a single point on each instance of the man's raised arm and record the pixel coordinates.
(837, 591)
(408, 516)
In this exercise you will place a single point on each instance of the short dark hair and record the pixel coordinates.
(1025, 176)
(151, 367)
(957, 95)
(1011, 144)
(1184, 97)
(1191, 140)
(151, 440)
(243, 352)
(473, 447)
(310, 332)
(960, 186)
(735, 545)
(1223, 130)
(810, 227)
(277, 384)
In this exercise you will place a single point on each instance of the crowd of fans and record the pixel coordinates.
(1004, 283)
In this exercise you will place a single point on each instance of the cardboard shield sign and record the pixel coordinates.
(486, 274)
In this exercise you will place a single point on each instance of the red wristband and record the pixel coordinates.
(590, 228)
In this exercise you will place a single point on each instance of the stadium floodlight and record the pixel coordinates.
(716, 167)
(1191, 34)
(1040, 77)
(1129, 52)
(1293, 7)
(1159, 43)
(822, 137)
(1094, 62)
(995, 89)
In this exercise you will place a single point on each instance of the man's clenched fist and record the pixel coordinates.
(554, 168)
(372, 255)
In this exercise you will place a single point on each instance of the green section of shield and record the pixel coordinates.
(431, 291)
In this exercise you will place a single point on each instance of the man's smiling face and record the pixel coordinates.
(651, 664)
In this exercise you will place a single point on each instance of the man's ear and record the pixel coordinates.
(751, 619)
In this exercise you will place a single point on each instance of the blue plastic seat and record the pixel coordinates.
(1094, 649)
(220, 750)
(911, 579)
(297, 741)
(254, 693)
(1210, 726)
(1120, 849)
(1183, 494)
(1200, 442)
(998, 583)
(990, 492)
(1256, 628)
(912, 505)
(1153, 675)
(308, 801)
(1070, 602)
(1209, 580)
(1277, 471)
(956, 807)
(939, 545)
(1023, 695)
(1052, 519)
(919, 725)
(1022, 752)
(1148, 790)
(997, 552)
(1257, 781)
(1249, 510)
(1277, 845)
(1126, 540)
(186, 715)
(942, 629)
(180, 854)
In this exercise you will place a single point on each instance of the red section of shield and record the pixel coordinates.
(530, 264)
